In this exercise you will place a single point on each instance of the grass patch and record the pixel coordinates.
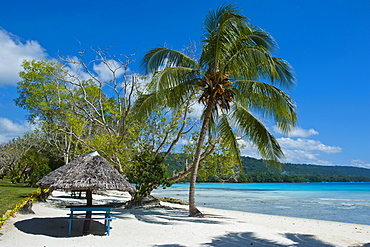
(11, 194)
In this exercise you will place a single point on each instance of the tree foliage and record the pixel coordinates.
(26, 159)
(147, 171)
(84, 106)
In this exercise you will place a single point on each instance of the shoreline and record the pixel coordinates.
(343, 202)
(171, 226)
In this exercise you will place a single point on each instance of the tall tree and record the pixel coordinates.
(83, 106)
(43, 93)
(235, 78)
(20, 161)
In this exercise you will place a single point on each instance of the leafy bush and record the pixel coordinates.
(147, 171)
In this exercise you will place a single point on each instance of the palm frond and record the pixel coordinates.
(234, 47)
(228, 139)
(221, 27)
(283, 73)
(161, 58)
(173, 97)
(145, 105)
(171, 77)
(180, 94)
(257, 133)
(215, 18)
(256, 63)
(259, 37)
(267, 100)
(244, 61)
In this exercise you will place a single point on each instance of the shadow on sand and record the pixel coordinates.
(57, 227)
(164, 216)
(248, 239)
(243, 239)
(172, 217)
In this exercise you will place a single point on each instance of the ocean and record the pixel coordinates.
(342, 202)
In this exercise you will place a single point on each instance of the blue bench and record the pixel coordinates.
(105, 211)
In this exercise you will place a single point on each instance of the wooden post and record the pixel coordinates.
(87, 223)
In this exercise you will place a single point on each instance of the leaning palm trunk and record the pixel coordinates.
(193, 211)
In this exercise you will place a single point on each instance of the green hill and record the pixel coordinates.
(255, 170)
(252, 165)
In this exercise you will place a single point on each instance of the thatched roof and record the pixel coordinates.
(88, 172)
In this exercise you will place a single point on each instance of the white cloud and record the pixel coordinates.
(75, 69)
(138, 80)
(298, 132)
(360, 163)
(12, 53)
(307, 145)
(10, 130)
(197, 110)
(105, 70)
(304, 151)
(248, 150)
(304, 157)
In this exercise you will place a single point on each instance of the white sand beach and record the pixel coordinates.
(171, 227)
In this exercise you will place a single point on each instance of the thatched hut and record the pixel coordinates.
(89, 172)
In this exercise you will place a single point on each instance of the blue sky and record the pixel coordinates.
(327, 43)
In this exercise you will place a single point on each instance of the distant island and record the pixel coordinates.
(255, 171)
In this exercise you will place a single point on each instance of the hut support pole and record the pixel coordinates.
(87, 223)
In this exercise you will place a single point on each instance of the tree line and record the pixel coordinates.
(255, 171)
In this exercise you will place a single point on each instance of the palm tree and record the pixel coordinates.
(234, 78)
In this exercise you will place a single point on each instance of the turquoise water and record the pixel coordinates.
(343, 202)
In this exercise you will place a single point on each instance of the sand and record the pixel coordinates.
(171, 227)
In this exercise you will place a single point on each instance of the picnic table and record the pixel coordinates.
(103, 211)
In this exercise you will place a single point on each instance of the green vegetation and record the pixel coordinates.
(11, 194)
(147, 172)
